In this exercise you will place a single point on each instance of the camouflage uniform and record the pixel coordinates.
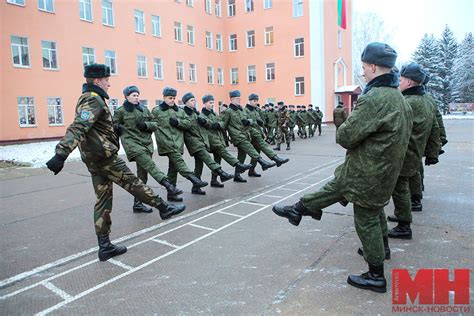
(301, 122)
(292, 123)
(92, 131)
(271, 123)
(283, 123)
(318, 120)
(311, 118)
(339, 116)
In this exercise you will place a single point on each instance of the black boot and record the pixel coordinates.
(224, 175)
(168, 210)
(401, 231)
(240, 167)
(174, 198)
(392, 218)
(373, 280)
(265, 164)
(386, 248)
(343, 202)
(279, 161)
(171, 188)
(197, 183)
(139, 207)
(253, 173)
(416, 206)
(198, 191)
(295, 212)
(238, 178)
(278, 147)
(215, 183)
(108, 250)
(288, 146)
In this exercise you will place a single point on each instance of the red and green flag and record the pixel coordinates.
(341, 13)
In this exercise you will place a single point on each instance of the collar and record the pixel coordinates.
(235, 107)
(207, 112)
(389, 80)
(93, 88)
(189, 111)
(249, 107)
(129, 107)
(417, 90)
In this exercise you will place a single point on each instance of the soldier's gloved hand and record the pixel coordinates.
(141, 126)
(56, 163)
(431, 161)
(444, 142)
(260, 122)
(246, 122)
(441, 152)
(119, 128)
(174, 122)
(201, 121)
(216, 126)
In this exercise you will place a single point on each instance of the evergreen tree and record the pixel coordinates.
(463, 83)
(448, 53)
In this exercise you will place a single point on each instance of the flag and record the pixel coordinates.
(341, 13)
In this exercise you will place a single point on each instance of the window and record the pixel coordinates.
(180, 71)
(20, 51)
(297, 8)
(250, 39)
(55, 111)
(270, 71)
(209, 40)
(210, 75)
(158, 68)
(85, 10)
(208, 6)
(155, 26)
(142, 71)
(299, 47)
(46, 5)
(111, 61)
(269, 35)
(234, 76)
(50, 55)
(230, 7)
(219, 42)
(220, 76)
(17, 2)
(251, 73)
(192, 72)
(190, 34)
(177, 32)
(107, 13)
(249, 5)
(339, 39)
(190, 3)
(299, 85)
(88, 55)
(113, 105)
(217, 8)
(139, 22)
(267, 4)
(233, 42)
(26, 111)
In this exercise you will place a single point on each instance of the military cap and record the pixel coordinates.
(169, 92)
(253, 96)
(298, 107)
(187, 96)
(270, 104)
(427, 79)
(380, 54)
(310, 105)
(280, 103)
(207, 98)
(414, 72)
(341, 103)
(129, 90)
(234, 94)
(96, 71)
(291, 106)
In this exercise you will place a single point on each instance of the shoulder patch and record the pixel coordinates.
(86, 115)
(94, 94)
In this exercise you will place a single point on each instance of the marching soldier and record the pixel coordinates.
(283, 123)
(319, 119)
(93, 132)
(311, 119)
(301, 121)
(271, 122)
(339, 116)
(292, 123)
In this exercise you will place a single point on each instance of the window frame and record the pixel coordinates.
(140, 64)
(105, 10)
(231, 8)
(158, 68)
(298, 47)
(44, 3)
(192, 73)
(220, 76)
(178, 30)
(155, 25)
(180, 66)
(232, 40)
(208, 40)
(114, 58)
(232, 76)
(35, 124)
(50, 50)
(190, 35)
(272, 68)
(88, 56)
(269, 35)
(20, 52)
(254, 70)
(137, 21)
(251, 38)
(85, 3)
(299, 85)
(55, 106)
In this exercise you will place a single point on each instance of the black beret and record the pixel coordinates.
(129, 90)
(234, 94)
(187, 96)
(96, 71)
(253, 96)
(379, 54)
(414, 72)
(169, 92)
(207, 98)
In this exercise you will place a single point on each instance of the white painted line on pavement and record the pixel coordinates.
(252, 203)
(273, 196)
(287, 189)
(164, 242)
(302, 183)
(56, 290)
(231, 214)
(120, 264)
(202, 227)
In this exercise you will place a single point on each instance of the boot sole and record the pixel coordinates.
(370, 288)
(111, 256)
(255, 175)
(216, 186)
(400, 237)
(171, 214)
(292, 221)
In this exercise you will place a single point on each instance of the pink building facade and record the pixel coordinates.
(289, 50)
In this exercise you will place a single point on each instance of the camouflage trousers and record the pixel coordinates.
(177, 164)
(416, 183)
(318, 126)
(283, 135)
(145, 166)
(311, 129)
(104, 174)
(259, 145)
(291, 130)
(370, 224)
(222, 153)
(246, 148)
(302, 131)
(271, 133)
(401, 199)
(202, 157)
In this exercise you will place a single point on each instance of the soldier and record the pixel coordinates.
(93, 131)
(311, 120)
(376, 137)
(172, 122)
(197, 142)
(424, 138)
(136, 123)
(292, 123)
(283, 123)
(216, 140)
(238, 125)
(301, 122)
(271, 123)
(319, 119)
(339, 116)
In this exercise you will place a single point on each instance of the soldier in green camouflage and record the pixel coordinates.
(283, 122)
(271, 122)
(93, 132)
(376, 137)
(311, 118)
(301, 121)
(292, 123)
(318, 115)
(339, 116)
(135, 125)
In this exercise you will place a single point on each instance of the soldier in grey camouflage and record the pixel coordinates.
(93, 132)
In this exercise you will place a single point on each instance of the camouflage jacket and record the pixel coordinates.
(168, 138)
(376, 137)
(272, 117)
(283, 118)
(339, 116)
(253, 114)
(293, 115)
(318, 116)
(134, 141)
(312, 116)
(196, 137)
(92, 129)
(232, 120)
(216, 137)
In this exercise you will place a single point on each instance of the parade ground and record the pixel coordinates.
(227, 254)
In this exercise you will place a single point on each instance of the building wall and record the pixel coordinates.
(71, 34)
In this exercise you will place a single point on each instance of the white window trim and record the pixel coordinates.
(294, 48)
(57, 55)
(14, 3)
(234, 84)
(162, 69)
(159, 26)
(195, 73)
(218, 13)
(248, 73)
(115, 58)
(228, 9)
(92, 13)
(146, 67)
(210, 40)
(295, 83)
(266, 68)
(247, 39)
(180, 32)
(184, 73)
(26, 105)
(29, 55)
(95, 57)
(222, 73)
(193, 35)
(211, 68)
(113, 16)
(268, 7)
(144, 21)
(62, 109)
(230, 42)
(44, 10)
(245, 6)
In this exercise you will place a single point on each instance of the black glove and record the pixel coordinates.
(174, 122)
(260, 122)
(444, 142)
(431, 161)
(56, 163)
(141, 126)
(216, 126)
(119, 128)
(201, 121)
(441, 152)
(246, 122)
